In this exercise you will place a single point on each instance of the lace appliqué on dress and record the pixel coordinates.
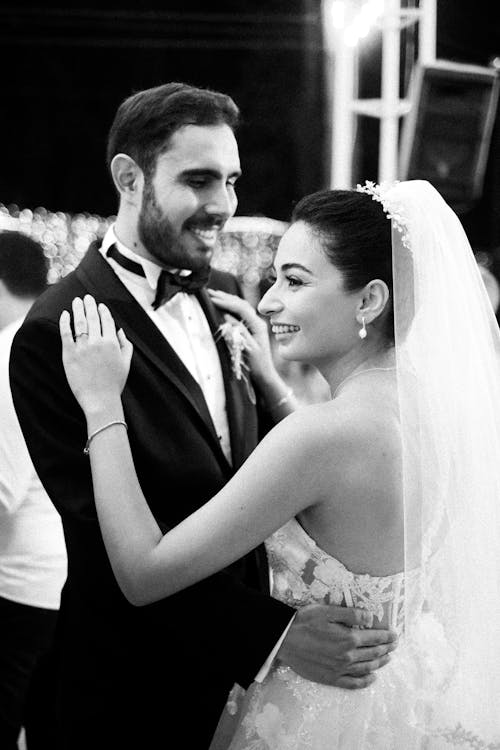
(305, 574)
(460, 737)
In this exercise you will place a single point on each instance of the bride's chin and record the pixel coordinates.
(283, 347)
(287, 353)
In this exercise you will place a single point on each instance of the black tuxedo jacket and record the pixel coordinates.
(197, 642)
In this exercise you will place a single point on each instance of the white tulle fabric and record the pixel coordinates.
(448, 363)
(441, 689)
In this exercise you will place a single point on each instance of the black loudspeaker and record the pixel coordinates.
(446, 136)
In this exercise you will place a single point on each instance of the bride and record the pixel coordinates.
(386, 497)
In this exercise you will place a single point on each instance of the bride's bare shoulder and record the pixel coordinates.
(347, 429)
(331, 445)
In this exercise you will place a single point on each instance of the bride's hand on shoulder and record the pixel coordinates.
(96, 357)
(254, 332)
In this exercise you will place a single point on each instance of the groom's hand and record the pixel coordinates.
(328, 644)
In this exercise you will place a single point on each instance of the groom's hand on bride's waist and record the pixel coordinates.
(334, 645)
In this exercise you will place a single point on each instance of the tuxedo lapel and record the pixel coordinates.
(240, 414)
(237, 396)
(104, 285)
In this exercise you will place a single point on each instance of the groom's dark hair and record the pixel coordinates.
(145, 122)
(356, 237)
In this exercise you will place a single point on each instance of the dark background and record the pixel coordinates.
(64, 71)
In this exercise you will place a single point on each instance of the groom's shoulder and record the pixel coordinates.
(55, 299)
(59, 295)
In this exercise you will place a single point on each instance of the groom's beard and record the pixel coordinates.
(158, 236)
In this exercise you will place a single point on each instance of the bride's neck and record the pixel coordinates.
(357, 361)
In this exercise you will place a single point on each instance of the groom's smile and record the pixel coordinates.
(190, 196)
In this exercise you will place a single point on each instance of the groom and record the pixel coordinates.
(137, 677)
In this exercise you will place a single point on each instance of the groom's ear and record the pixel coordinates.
(373, 301)
(128, 178)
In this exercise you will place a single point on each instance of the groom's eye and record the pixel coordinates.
(197, 182)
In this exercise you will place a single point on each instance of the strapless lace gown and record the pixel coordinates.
(287, 712)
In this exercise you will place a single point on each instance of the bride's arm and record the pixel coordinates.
(272, 486)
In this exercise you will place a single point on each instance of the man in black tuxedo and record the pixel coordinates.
(137, 677)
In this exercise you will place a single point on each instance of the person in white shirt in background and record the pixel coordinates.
(32, 548)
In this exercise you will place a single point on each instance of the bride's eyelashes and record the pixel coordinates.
(290, 279)
(294, 281)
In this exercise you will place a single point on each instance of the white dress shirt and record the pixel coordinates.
(32, 547)
(182, 322)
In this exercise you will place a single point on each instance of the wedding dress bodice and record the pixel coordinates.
(288, 712)
(303, 573)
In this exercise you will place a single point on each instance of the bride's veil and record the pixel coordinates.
(448, 365)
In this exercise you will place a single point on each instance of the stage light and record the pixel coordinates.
(337, 14)
(353, 26)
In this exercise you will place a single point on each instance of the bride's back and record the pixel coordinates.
(357, 515)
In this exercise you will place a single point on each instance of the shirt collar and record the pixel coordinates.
(151, 269)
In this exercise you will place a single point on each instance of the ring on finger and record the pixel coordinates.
(82, 333)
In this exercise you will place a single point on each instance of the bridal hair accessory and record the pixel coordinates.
(101, 429)
(362, 331)
(233, 333)
(383, 194)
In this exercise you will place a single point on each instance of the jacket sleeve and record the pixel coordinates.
(51, 420)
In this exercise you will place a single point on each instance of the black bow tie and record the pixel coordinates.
(169, 283)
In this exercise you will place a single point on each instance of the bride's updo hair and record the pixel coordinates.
(355, 234)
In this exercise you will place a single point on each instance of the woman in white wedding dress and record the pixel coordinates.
(385, 497)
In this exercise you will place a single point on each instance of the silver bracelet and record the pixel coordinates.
(96, 432)
(283, 400)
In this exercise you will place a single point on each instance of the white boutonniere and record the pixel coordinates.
(233, 332)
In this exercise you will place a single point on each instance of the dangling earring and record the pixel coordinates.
(362, 331)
